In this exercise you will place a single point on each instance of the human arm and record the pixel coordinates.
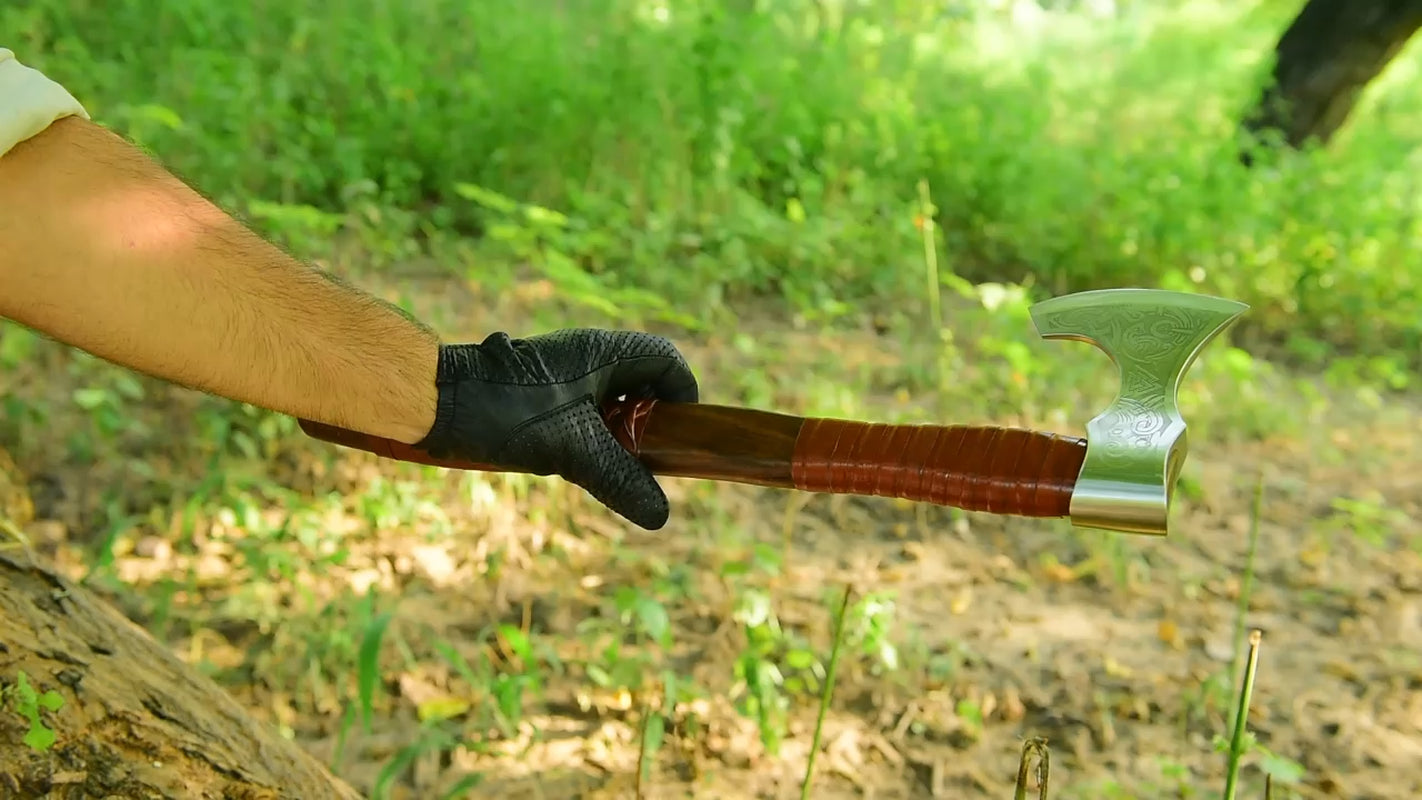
(103, 249)
(107, 251)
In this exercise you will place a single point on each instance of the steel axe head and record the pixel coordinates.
(1135, 448)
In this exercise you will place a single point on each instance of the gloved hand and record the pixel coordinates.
(533, 405)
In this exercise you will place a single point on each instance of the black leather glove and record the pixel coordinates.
(533, 405)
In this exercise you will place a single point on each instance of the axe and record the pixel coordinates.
(1121, 477)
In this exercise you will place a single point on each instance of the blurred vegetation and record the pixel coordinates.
(679, 160)
(707, 149)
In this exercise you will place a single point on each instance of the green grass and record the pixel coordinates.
(710, 152)
(654, 167)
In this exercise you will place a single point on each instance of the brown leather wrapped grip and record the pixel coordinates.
(998, 470)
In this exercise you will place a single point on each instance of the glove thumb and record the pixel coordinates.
(615, 477)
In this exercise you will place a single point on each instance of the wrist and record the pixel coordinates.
(444, 386)
(424, 412)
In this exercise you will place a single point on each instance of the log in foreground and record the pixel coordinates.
(136, 722)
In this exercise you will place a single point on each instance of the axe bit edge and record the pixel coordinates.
(1138, 444)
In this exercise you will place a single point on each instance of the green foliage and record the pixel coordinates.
(368, 661)
(689, 149)
(28, 702)
(656, 159)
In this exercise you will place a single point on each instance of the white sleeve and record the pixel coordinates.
(29, 102)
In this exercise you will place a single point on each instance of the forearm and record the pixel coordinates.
(106, 251)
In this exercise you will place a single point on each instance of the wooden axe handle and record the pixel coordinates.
(976, 468)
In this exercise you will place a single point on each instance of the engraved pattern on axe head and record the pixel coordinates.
(1130, 424)
(1152, 336)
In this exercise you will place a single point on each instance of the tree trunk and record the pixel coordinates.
(1325, 58)
(135, 722)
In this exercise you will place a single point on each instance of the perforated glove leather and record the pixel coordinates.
(533, 405)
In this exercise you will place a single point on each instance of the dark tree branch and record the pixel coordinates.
(1325, 58)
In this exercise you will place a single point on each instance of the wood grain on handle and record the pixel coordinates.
(998, 470)
(385, 448)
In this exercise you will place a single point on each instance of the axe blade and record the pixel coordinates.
(1137, 445)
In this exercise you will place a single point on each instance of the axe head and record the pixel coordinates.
(1135, 448)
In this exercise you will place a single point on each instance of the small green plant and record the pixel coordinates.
(1369, 519)
(105, 400)
(1241, 742)
(825, 696)
(1177, 779)
(506, 672)
(869, 622)
(433, 736)
(26, 701)
(970, 714)
(368, 659)
(758, 671)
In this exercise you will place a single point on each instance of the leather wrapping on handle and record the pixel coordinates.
(997, 470)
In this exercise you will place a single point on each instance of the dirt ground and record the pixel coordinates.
(1118, 650)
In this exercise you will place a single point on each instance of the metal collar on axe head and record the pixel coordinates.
(1135, 448)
